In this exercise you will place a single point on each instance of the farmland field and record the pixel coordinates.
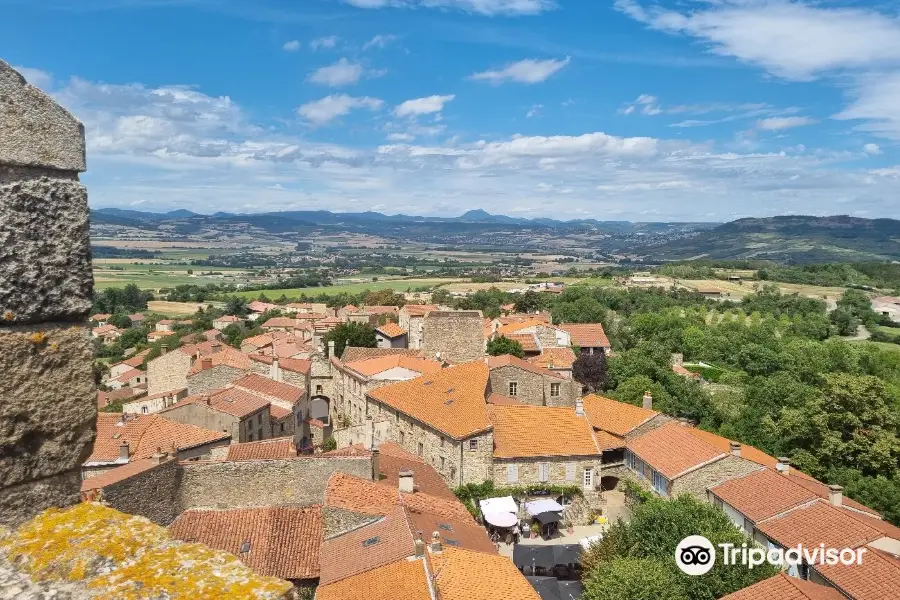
(174, 309)
(398, 285)
(737, 291)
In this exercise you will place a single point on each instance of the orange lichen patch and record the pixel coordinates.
(122, 557)
(38, 337)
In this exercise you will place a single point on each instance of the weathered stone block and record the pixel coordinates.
(48, 403)
(35, 131)
(45, 254)
(19, 503)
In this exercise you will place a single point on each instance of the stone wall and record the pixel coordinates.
(150, 493)
(217, 377)
(458, 335)
(697, 482)
(47, 392)
(339, 521)
(300, 481)
(203, 416)
(657, 421)
(534, 388)
(561, 470)
(168, 372)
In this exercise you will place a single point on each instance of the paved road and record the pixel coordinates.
(861, 334)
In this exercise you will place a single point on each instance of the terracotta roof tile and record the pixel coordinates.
(401, 580)
(144, 434)
(227, 319)
(355, 353)
(118, 474)
(458, 533)
(108, 328)
(260, 307)
(608, 441)
(264, 450)
(100, 317)
(450, 400)
(277, 389)
(137, 360)
(106, 398)
(128, 375)
(467, 575)
(763, 494)
(821, 489)
(819, 523)
(877, 578)
(278, 413)
(368, 547)
(534, 431)
(419, 310)
(616, 417)
(672, 450)
(586, 335)
(297, 365)
(231, 401)
(391, 330)
(288, 322)
(373, 366)
(284, 541)
(380, 309)
(508, 360)
(227, 357)
(528, 341)
(500, 399)
(544, 317)
(518, 326)
(554, 358)
(352, 493)
(784, 587)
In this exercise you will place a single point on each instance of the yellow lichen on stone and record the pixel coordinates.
(116, 556)
(38, 337)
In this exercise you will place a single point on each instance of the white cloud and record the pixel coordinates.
(779, 123)
(534, 111)
(647, 104)
(524, 71)
(400, 137)
(872, 149)
(483, 7)
(422, 106)
(322, 111)
(36, 77)
(340, 73)
(876, 103)
(380, 41)
(291, 46)
(324, 42)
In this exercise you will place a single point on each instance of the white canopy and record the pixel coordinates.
(498, 505)
(536, 507)
(588, 541)
(503, 519)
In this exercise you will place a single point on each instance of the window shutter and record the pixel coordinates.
(570, 471)
(512, 473)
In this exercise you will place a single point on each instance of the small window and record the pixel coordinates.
(443, 441)
(473, 444)
(371, 542)
(250, 437)
(554, 390)
(570, 471)
(282, 428)
(259, 433)
(318, 390)
(402, 438)
(144, 409)
(421, 449)
(513, 388)
(443, 465)
(543, 472)
(512, 473)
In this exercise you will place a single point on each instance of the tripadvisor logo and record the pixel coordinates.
(696, 555)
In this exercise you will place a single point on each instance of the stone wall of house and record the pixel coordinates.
(534, 388)
(47, 392)
(198, 414)
(168, 372)
(561, 470)
(339, 521)
(256, 427)
(217, 377)
(150, 493)
(299, 481)
(657, 421)
(320, 374)
(697, 482)
(413, 325)
(458, 335)
(547, 336)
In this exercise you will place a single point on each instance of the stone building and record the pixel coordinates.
(243, 415)
(289, 405)
(412, 320)
(531, 384)
(558, 360)
(542, 334)
(220, 323)
(148, 405)
(589, 337)
(221, 368)
(169, 371)
(452, 335)
(390, 335)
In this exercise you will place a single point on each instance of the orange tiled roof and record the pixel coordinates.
(283, 541)
(819, 523)
(586, 335)
(380, 309)
(373, 366)
(467, 575)
(118, 474)
(821, 490)
(459, 533)
(518, 326)
(108, 328)
(297, 365)
(672, 450)
(128, 375)
(419, 310)
(278, 413)
(159, 334)
(508, 360)
(106, 398)
(355, 353)
(532, 431)
(352, 493)
(263, 450)
(231, 401)
(528, 341)
(281, 322)
(391, 330)
(144, 434)
(608, 441)
(254, 382)
(763, 494)
(785, 587)
(877, 578)
(137, 360)
(100, 317)
(450, 400)
(137, 317)
(616, 417)
(544, 317)
(554, 358)
(400, 580)
(257, 306)
(679, 370)
(500, 399)
(228, 357)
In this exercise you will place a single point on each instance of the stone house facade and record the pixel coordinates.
(452, 335)
(149, 405)
(412, 320)
(579, 471)
(217, 376)
(249, 427)
(530, 384)
(168, 372)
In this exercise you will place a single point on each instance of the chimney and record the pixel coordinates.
(376, 465)
(205, 363)
(204, 399)
(783, 465)
(648, 400)
(420, 546)
(436, 545)
(579, 407)
(163, 348)
(369, 433)
(274, 371)
(735, 449)
(159, 456)
(124, 453)
(835, 495)
(407, 484)
(330, 347)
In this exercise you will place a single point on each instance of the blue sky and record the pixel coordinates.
(612, 109)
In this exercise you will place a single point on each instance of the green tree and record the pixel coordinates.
(633, 579)
(441, 296)
(590, 370)
(234, 334)
(120, 320)
(844, 320)
(529, 302)
(503, 345)
(350, 334)
(237, 306)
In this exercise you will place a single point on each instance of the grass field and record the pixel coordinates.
(398, 285)
(882, 345)
(173, 309)
(737, 291)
